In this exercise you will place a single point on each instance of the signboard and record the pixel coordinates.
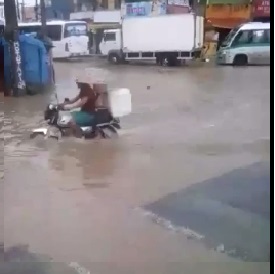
(228, 12)
(261, 8)
(184, 3)
(152, 8)
(174, 9)
(178, 6)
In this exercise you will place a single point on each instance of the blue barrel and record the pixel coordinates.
(37, 65)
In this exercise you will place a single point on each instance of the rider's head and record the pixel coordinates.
(85, 85)
(85, 89)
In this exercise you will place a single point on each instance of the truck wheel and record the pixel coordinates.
(168, 61)
(173, 61)
(113, 58)
(240, 60)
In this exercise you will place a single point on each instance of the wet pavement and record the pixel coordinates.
(186, 182)
(231, 213)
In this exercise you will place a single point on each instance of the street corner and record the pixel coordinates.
(230, 213)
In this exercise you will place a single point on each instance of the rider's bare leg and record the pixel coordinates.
(76, 130)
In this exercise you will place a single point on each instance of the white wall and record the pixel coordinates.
(2, 14)
(108, 16)
(81, 15)
(102, 16)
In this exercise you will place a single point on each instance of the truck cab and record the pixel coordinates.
(111, 42)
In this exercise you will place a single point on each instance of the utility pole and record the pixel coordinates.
(18, 10)
(18, 85)
(23, 11)
(36, 10)
(43, 18)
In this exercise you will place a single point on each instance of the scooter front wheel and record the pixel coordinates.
(34, 135)
(39, 132)
(57, 135)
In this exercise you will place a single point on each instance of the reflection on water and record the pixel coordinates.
(97, 160)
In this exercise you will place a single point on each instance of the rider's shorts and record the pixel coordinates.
(83, 118)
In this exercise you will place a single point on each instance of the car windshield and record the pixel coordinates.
(75, 30)
(229, 37)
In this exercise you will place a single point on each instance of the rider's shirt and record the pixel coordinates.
(92, 97)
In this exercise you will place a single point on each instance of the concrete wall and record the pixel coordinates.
(2, 14)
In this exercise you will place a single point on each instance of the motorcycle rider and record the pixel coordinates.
(86, 101)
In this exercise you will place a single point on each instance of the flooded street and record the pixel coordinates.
(186, 182)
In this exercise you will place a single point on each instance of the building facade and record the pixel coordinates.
(62, 8)
(227, 13)
(155, 7)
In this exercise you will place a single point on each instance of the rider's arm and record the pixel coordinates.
(78, 104)
(72, 101)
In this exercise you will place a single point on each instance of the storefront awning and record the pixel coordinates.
(225, 23)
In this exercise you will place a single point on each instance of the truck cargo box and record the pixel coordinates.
(179, 32)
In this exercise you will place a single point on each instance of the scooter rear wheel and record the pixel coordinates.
(108, 132)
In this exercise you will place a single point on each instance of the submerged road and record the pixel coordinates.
(187, 181)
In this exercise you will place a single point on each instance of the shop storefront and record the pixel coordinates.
(228, 16)
(224, 15)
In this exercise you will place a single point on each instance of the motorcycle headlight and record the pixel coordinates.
(51, 106)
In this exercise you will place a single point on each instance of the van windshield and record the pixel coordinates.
(72, 29)
(229, 37)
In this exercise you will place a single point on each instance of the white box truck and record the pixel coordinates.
(165, 39)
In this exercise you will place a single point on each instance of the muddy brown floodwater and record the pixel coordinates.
(186, 182)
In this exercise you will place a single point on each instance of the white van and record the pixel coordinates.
(248, 44)
(70, 38)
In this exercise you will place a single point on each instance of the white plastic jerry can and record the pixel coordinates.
(120, 102)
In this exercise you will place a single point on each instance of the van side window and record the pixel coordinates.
(267, 36)
(258, 37)
(54, 32)
(29, 29)
(110, 36)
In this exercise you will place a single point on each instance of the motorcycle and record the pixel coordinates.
(105, 125)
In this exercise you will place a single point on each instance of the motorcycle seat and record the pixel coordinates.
(103, 117)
